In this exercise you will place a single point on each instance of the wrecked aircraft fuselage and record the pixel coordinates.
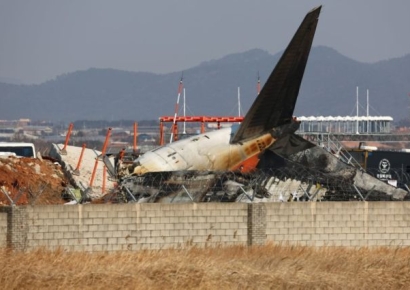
(228, 165)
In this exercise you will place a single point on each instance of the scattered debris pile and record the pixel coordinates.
(84, 168)
(313, 174)
(211, 186)
(61, 178)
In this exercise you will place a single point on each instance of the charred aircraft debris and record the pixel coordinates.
(261, 160)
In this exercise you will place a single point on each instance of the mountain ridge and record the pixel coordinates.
(328, 88)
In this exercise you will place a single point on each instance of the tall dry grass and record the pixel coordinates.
(266, 267)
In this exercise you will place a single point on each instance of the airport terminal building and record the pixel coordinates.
(346, 125)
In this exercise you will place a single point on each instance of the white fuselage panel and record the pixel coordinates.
(209, 151)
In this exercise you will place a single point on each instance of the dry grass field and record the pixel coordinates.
(266, 267)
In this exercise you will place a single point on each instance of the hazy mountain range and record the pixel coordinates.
(328, 88)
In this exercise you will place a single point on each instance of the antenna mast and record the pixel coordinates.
(367, 111)
(357, 110)
(239, 101)
(184, 113)
(180, 86)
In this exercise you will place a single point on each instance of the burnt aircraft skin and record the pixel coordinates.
(269, 119)
(319, 159)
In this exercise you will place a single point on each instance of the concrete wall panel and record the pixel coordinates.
(115, 227)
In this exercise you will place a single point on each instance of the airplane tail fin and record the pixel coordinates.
(275, 104)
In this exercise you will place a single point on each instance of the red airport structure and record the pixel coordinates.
(191, 119)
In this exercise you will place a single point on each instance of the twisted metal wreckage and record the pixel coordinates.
(262, 159)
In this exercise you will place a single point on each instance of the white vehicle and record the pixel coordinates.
(20, 149)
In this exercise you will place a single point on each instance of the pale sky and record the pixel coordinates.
(42, 39)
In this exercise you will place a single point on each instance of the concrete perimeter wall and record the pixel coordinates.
(350, 224)
(3, 229)
(113, 227)
(109, 227)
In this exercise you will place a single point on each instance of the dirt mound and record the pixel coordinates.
(31, 181)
